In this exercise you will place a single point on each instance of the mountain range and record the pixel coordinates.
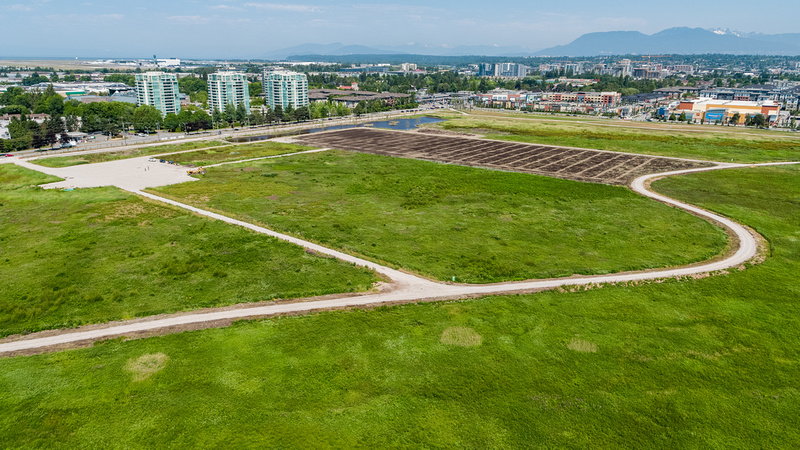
(680, 41)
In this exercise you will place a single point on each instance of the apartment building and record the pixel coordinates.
(285, 88)
(228, 88)
(160, 90)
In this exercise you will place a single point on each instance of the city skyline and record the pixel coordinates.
(251, 29)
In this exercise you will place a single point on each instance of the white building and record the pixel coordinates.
(168, 62)
(285, 88)
(158, 89)
(228, 88)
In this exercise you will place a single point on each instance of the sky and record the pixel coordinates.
(252, 29)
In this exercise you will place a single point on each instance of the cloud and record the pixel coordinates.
(19, 8)
(285, 7)
(189, 20)
(86, 17)
(225, 8)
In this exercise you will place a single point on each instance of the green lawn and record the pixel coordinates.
(234, 153)
(450, 221)
(92, 255)
(707, 363)
(74, 160)
(696, 142)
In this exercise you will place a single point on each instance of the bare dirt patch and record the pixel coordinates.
(461, 337)
(596, 166)
(579, 345)
(145, 366)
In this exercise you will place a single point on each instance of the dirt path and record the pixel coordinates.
(406, 287)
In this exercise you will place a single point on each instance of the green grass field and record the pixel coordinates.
(92, 255)
(695, 142)
(91, 158)
(706, 363)
(450, 221)
(234, 153)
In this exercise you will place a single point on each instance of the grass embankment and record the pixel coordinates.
(234, 153)
(695, 142)
(449, 221)
(707, 363)
(91, 158)
(92, 255)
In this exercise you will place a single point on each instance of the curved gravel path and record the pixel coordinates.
(408, 288)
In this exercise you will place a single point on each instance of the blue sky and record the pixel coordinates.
(253, 28)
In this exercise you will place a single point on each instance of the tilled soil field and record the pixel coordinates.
(570, 163)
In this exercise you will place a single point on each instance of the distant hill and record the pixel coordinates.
(674, 41)
(680, 41)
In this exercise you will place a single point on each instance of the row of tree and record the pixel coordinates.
(26, 133)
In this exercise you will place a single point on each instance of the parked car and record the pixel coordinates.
(8, 155)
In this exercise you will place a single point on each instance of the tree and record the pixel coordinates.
(360, 108)
(216, 116)
(255, 89)
(278, 112)
(241, 113)
(735, 118)
(146, 118)
(128, 79)
(682, 117)
(35, 78)
(71, 122)
(302, 113)
(171, 122)
(672, 117)
(269, 116)
(759, 120)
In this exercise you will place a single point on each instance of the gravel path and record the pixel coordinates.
(132, 176)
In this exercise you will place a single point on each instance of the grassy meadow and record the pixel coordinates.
(234, 153)
(704, 363)
(93, 255)
(723, 144)
(452, 222)
(91, 158)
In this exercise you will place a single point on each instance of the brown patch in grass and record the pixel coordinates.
(579, 345)
(460, 336)
(145, 366)
(125, 210)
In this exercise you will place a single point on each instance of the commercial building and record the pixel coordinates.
(596, 98)
(228, 88)
(503, 70)
(353, 98)
(285, 88)
(168, 62)
(158, 89)
(713, 110)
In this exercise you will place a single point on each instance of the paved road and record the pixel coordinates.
(407, 287)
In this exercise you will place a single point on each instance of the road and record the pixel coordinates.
(165, 138)
(136, 174)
